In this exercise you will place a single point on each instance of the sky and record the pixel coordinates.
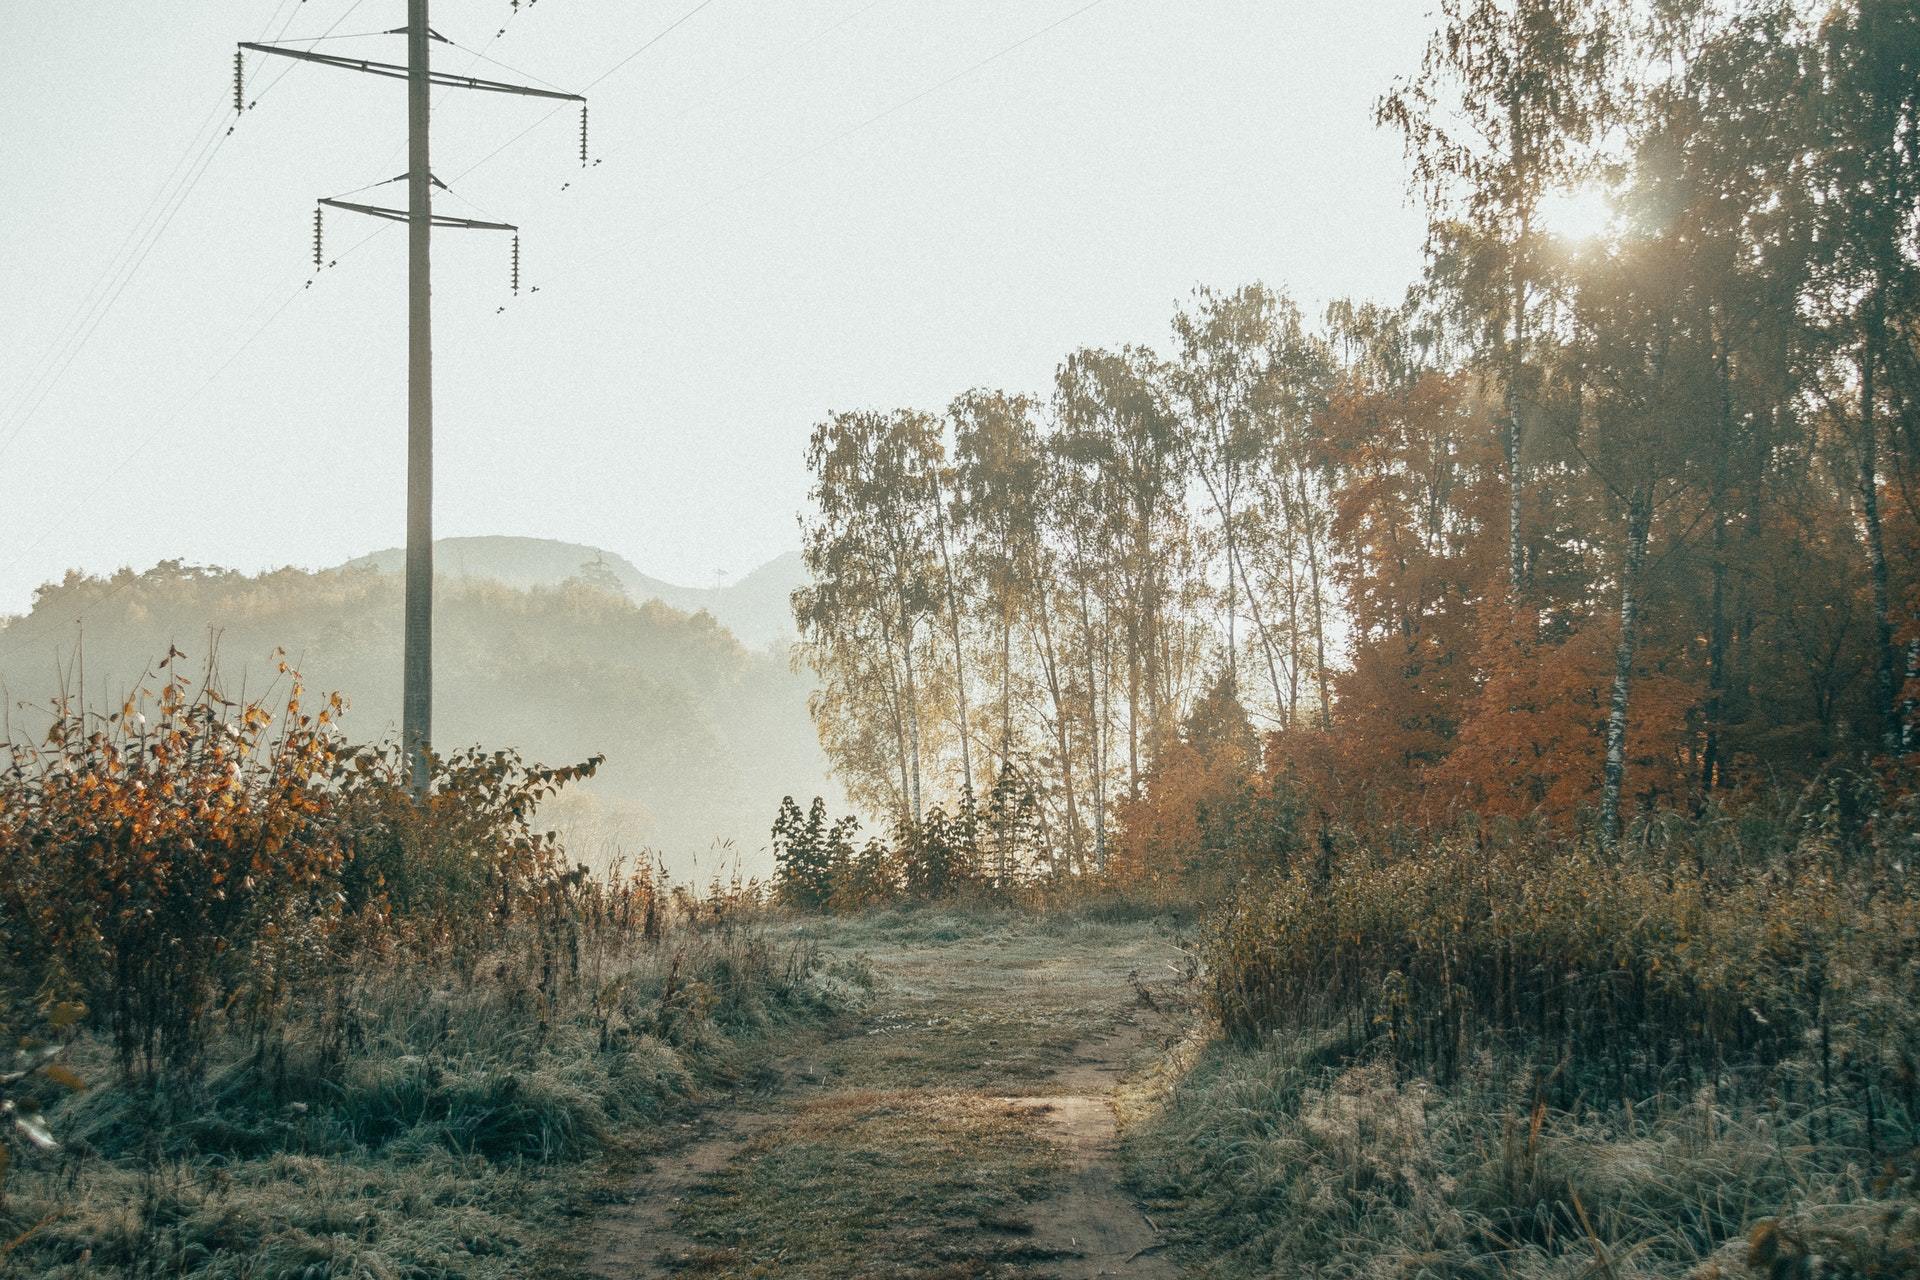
(798, 207)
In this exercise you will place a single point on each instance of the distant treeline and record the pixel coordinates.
(695, 728)
(1581, 527)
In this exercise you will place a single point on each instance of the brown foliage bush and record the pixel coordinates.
(187, 858)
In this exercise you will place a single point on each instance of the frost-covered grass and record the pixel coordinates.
(407, 1123)
(1283, 1159)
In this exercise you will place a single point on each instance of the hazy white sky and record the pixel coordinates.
(737, 267)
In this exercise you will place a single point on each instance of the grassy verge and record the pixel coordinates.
(1283, 1158)
(407, 1122)
(1691, 1056)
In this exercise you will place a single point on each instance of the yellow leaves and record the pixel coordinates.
(65, 1014)
(65, 1077)
(169, 848)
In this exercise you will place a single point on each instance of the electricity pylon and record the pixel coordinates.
(416, 720)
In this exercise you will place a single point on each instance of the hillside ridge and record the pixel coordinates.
(755, 608)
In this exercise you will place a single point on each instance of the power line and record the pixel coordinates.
(119, 273)
(774, 171)
(345, 35)
(98, 314)
(478, 55)
(667, 31)
(200, 152)
(763, 176)
(655, 39)
(288, 69)
(760, 69)
(108, 270)
(416, 696)
(483, 57)
(184, 403)
(124, 266)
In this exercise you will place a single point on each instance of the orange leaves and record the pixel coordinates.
(182, 854)
(1530, 740)
(144, 852)
(1162, 829)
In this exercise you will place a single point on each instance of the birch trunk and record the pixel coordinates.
(1639, 526)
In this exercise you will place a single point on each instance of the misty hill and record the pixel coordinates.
(756, 608)
(702, 736)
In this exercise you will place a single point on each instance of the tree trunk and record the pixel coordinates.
(899, 730)
(1233, 601)
(1050, 664)
(1096, 704)
(1133, 708)
(1712, 771)
(1718, 625)
(1319, 603)
(912, 716)
(1639, 526)
(953, 629)
(1320, 641)
(1150, 645)
(1516, 364)
(1293, 631)
(1006, 684)
(1909, 730)
(1516, 486)
(1266, 649)
(1886, 685)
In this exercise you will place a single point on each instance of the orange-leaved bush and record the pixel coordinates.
(143, 853)
(188, 856)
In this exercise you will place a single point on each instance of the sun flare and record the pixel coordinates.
(1577, 214)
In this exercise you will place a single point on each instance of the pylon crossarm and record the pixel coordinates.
(431, 34)
(396, 71)
(400, 215)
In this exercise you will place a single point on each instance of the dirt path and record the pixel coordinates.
(1090, 1221)
(962, 1125)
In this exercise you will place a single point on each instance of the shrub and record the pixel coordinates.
(806, 852)
(972, 850)
(187, 856)
(1282, 1159)
(141, 859)
(1696, 950)
(1206, 813)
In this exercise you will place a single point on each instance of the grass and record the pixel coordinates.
(918, 1139)
(1278, 1159)
(409, 1125)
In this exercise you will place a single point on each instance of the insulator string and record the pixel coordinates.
(239, 81)
(516, 264)
(319, 225)
(583, 135)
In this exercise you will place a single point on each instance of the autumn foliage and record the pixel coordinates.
(188, 861)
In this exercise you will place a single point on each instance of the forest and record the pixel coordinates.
(1584, 530)
(1521, 679)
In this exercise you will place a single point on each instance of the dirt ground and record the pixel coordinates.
(962, 1124)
